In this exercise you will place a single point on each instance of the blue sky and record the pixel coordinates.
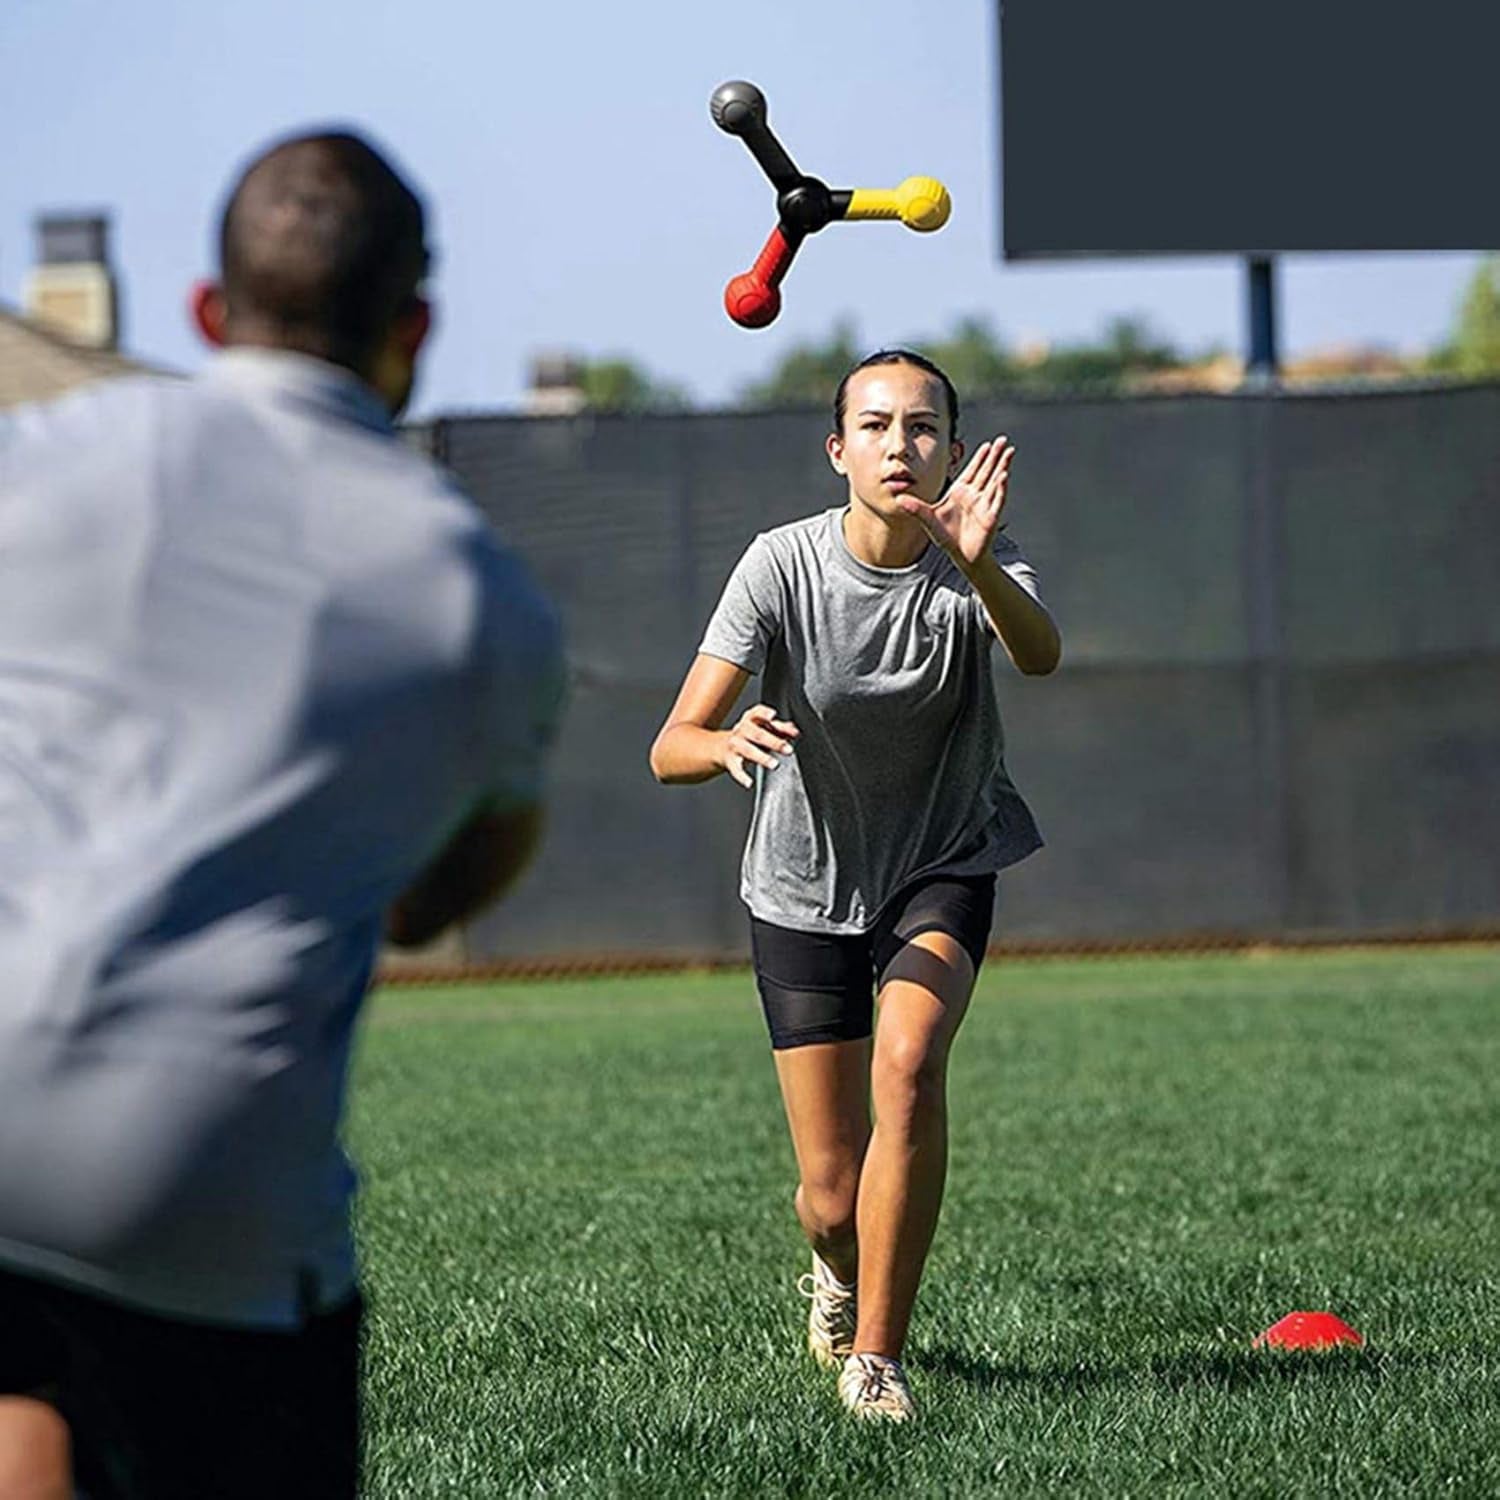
(581, 197)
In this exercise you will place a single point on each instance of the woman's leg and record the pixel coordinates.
(815, 991)
(825, 1088)
(924, 993)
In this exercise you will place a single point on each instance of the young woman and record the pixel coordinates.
(882, 814)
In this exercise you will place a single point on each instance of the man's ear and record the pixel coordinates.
(209, 311)
(413, 326)
(955, 458)
(835, 450)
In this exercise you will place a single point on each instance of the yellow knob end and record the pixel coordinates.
(924, 204)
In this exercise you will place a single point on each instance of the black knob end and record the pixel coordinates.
(737, 107)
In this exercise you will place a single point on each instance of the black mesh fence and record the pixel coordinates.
(1278, 713)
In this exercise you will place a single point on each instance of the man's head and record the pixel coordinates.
(322, 251)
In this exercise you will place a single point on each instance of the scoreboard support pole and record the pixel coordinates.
(1263, 363)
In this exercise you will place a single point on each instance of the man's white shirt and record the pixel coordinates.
(258, 660)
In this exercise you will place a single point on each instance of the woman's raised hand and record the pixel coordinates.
(964, 521)
(758, 736)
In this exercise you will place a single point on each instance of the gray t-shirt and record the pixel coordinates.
(258, 659)
(899, 771)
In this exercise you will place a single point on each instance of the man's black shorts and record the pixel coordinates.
(819, 987)
(164, 1410)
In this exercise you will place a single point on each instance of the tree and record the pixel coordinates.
(976, 359)
(807, 374)
(980, 363)
(620, 385)
(1474, 349)
(1129, 347)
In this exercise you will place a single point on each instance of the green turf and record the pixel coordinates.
(580, 1252)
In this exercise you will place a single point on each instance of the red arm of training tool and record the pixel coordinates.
(754, 299)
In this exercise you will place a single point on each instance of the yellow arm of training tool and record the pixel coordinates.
(921, 203)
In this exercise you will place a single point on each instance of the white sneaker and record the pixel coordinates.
(833, 1316)
(874, 1388)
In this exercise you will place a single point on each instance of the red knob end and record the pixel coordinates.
(750, 302)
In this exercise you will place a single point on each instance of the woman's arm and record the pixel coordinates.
(963, 523)
(691, 747)
(1028, 633)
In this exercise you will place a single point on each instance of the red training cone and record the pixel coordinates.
(1307, 1330)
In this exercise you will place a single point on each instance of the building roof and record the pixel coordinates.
(36, 364)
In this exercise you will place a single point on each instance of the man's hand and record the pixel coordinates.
(757, 736)
(964, 522)
(480, 863)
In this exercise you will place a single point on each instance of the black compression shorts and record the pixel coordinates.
(820, 987)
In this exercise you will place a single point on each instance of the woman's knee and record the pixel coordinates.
(909, 1074)
(828, 1194)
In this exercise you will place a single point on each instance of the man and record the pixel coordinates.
(267, 684)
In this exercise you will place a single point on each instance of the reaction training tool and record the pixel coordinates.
(804, 204)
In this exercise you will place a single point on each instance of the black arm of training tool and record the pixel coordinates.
(740, 109)
(804, 204)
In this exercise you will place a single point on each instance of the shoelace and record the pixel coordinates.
(832, 1306)
(873, 1377)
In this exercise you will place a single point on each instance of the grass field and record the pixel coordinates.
(580, 1252)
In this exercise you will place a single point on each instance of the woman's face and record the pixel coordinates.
(895, 440)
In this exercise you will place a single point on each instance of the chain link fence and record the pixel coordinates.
(1278, 715)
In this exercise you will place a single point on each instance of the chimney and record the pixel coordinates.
(555, 388)
(71, 290)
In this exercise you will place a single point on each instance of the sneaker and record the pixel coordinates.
(874, 1388)
(832, 1318)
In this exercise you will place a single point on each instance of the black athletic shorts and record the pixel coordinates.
(164, 1410)
(820, 986)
